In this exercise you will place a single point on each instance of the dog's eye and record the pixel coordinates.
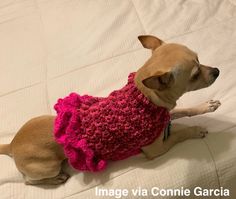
(195, 76)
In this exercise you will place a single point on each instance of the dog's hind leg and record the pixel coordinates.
(58, 179)
(41, 172)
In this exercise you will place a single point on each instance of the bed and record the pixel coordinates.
(49, 48)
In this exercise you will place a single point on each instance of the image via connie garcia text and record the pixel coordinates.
(162, 192)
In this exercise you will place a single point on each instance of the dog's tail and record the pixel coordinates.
(5, 149)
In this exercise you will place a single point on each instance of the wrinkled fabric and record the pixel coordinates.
(94, 130)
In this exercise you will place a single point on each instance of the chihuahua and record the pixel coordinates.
(171, 71)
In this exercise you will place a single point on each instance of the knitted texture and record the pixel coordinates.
(93, 130)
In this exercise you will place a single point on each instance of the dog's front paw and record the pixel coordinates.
(209, 106)
(198, 132)
(213, 105)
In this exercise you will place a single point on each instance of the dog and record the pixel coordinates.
(171, 71)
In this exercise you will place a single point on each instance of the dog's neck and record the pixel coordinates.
(168, 102)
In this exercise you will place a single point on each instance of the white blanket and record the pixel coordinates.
(49, 48)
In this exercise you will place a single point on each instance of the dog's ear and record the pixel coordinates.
(160, 81)
(150, 42)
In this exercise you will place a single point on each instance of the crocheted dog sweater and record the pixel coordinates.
(94, 130)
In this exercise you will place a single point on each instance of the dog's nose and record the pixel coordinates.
(215, 72)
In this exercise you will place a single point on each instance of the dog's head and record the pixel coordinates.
(172, 70)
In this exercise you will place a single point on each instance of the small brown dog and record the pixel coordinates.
(171, 71)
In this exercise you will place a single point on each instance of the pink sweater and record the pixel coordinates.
(93, 130)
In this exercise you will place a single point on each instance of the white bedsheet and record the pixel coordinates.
(49, 48)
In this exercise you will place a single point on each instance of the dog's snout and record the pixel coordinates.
(215, 72)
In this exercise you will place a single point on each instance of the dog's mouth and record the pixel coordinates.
(210, 77)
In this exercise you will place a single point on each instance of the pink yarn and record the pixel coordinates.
(93, 130)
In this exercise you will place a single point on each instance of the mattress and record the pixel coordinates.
(49, 48)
